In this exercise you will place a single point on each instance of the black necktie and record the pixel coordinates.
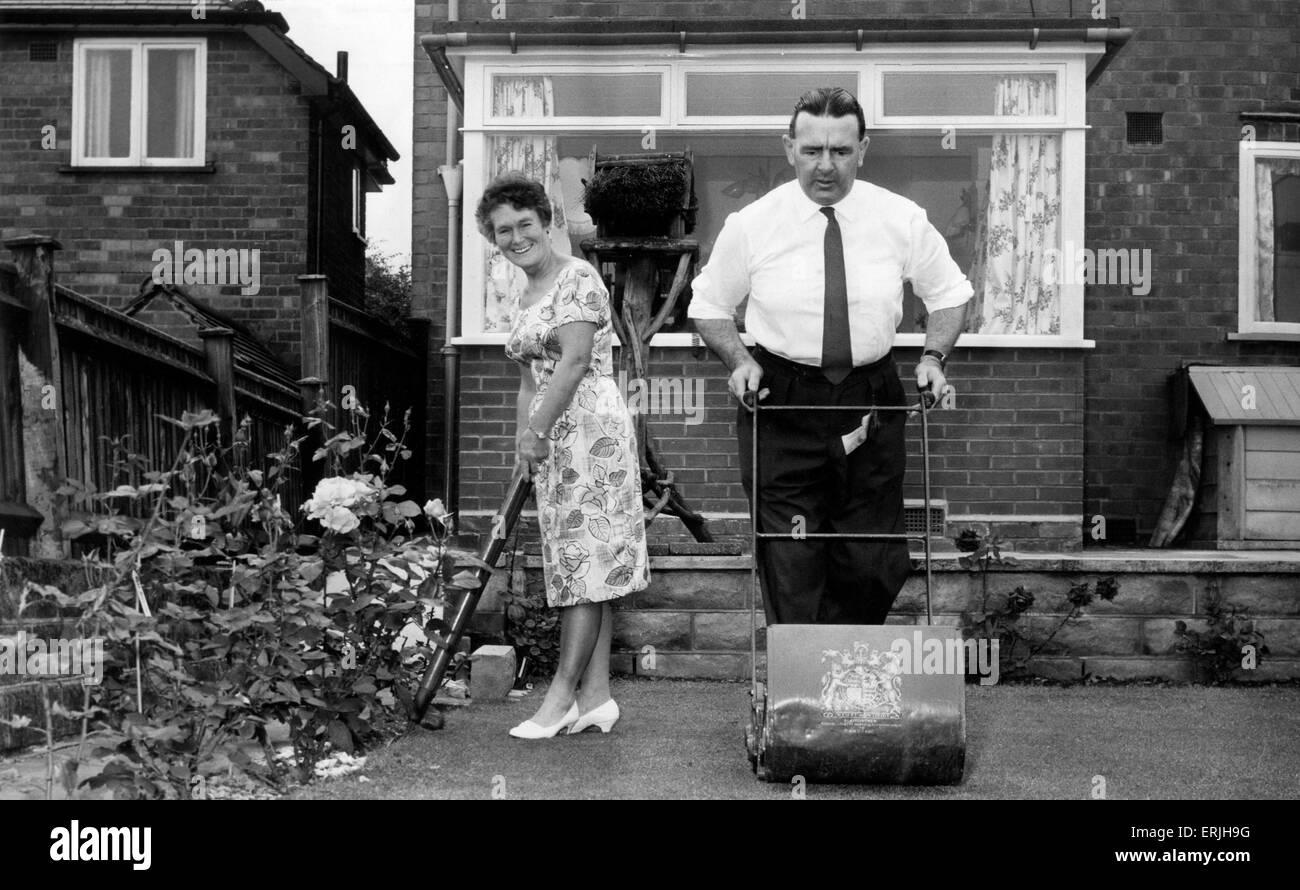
(837, 345)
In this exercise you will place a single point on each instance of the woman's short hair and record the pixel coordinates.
(519, 192)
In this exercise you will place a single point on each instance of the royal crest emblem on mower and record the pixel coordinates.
(862, 684)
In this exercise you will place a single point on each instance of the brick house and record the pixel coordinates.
(1140, 118)
(136, 131)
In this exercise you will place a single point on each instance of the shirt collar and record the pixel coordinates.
(807, 208)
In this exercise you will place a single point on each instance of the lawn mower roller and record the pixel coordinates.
(856, 703)
(520, 487)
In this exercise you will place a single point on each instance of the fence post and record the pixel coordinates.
(42, 389)
(219, 351)
(314, 309)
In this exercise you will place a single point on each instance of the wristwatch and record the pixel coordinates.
(938, 356)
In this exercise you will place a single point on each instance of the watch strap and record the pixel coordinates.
(937, 355)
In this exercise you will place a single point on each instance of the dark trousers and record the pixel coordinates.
(804, 472)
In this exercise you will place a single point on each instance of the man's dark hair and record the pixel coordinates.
(830, 102)
(519, 192)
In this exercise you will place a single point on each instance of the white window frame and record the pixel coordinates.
(1069, 63)
(729, 122)
(916, 122)
(358, 191)
(581, 123)
(1248, 326)
(139, 107)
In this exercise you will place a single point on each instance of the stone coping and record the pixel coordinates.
(1164, 562)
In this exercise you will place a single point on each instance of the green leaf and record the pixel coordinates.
(466, 580)
(311, 570)
(340, 736)
(468, 559)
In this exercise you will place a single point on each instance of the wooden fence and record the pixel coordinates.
(95, 375)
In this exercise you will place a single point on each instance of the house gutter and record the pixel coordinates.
(1271, 117)
(453, 182)
(692, 34)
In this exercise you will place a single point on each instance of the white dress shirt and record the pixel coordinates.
(772, 251)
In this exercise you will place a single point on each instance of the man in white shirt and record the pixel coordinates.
(823, 260)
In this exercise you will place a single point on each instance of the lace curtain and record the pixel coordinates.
(1020, 222)
(528, 96)
(174, 99)
(1267, 172)
(99, 101)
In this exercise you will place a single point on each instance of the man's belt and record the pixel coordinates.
(801, 370)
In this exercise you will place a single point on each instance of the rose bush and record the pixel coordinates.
(222, 611)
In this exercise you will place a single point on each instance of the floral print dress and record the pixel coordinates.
(589, 488)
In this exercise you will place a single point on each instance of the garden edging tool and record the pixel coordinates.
(504, 520)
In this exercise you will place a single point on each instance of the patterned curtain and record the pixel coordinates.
(1267, 172)
(536, 157)
(1020, 222)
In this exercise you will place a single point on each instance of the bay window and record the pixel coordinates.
(988, 142)
(138, 103)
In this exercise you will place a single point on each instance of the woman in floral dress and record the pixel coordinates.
(575, 439)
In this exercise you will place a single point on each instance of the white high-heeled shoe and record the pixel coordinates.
(530, 730)
(604, 716)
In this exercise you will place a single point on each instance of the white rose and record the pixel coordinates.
(335, 494)
(338, 519)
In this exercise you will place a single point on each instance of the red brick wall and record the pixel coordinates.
(1202, 63)
(110, 224)
(1037, 431)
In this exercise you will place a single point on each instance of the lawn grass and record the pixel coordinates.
(683, 739)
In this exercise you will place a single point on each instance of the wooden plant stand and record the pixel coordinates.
(638, 263)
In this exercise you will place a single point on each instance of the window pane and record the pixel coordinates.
(108, 103)
(996, 200)
(171, 91)
(969, 94)
(576, 95)
(755, 93)
(1278, 242)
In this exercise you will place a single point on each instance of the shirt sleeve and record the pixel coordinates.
(581, 298)
(936, 278)
(724, 282)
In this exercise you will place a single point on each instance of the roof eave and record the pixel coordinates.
(73, 19)
(319, 84)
